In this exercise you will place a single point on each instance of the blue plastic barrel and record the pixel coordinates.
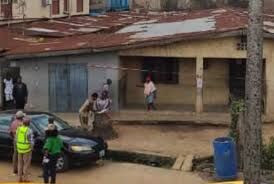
(225, 160)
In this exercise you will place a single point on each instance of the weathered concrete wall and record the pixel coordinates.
(182, 93)
(186, 4)
(34, 9)
(209, 48)
(221, 48)
(216, 89)
(269, 5)
(216, 85)
(35, 74)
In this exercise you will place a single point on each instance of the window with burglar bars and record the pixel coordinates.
(161, 70)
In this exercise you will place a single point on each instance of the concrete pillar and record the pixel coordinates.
(199, 84)
(269, 65)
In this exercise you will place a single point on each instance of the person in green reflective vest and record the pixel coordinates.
(25, 143)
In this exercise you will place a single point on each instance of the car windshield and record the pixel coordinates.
(41, 121)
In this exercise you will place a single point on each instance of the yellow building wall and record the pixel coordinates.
(183, 93)
(216, 82)
(34, 9)
(215, 91)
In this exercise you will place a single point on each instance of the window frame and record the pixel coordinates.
(161, 70)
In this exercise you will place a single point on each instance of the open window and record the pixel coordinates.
(161, 70)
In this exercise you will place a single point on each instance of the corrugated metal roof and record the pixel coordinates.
(121, 29)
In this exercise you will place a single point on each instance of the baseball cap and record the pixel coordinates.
(51, 127)
(20, 114)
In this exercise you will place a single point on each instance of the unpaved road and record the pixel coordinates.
(173, 140)
(168, 139)
(110, 173)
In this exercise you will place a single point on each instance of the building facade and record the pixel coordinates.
(33, 9)
(197, 60)
(63, 83)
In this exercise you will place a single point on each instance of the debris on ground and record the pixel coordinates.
(188, 163)
(106, 131)
(178, 163)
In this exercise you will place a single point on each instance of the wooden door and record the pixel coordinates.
(6, 9)
(55, 7)
(80, 5)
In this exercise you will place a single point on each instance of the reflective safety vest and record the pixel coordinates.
(23, 144)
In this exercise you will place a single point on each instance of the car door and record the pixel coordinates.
(6, 142)
(39, 142)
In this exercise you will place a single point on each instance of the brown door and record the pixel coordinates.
(80, 5)
(55, 7)
(6, 9)
(66, 5)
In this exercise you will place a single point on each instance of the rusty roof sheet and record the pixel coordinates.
(121, 29)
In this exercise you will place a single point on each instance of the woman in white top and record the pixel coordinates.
(150, 94)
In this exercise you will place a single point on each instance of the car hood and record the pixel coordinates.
(79, 137)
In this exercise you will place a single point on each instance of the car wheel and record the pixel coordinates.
(62, 163)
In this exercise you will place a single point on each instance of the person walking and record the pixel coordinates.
(20, 94)
(150, 93)
(86, 111)
(25, 144)
(13, 128)
(52, 150)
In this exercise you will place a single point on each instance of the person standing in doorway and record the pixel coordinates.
(8, 91)
(52, 151)
(86, 111)
(20, 93)
(25, 144)
(13, 128)
(150, 93)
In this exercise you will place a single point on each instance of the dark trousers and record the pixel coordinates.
(49, 169)
(20, 105)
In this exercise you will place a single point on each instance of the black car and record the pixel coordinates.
(79, 146)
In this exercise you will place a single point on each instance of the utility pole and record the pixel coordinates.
(253, 92)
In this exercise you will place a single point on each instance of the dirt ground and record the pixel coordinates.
(109, 173)
(172, 140)
(168, 139)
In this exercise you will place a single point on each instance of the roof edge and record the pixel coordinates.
(162, 42)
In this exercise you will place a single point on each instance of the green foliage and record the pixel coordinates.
(268, 155)
(236, 108)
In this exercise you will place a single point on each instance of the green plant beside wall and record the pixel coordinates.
(236, 108)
